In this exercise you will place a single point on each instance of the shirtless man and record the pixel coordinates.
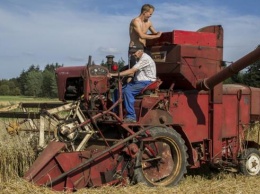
(139, 27)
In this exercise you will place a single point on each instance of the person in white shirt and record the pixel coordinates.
(144, 73)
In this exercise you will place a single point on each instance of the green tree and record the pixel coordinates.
(252, 75)
(52, 67)
(103, 63)
(14, 87)
(33, 83)
(49, 86)
(237, 78)
(23, 79)
(16, 91)
(22, 82)
(9, 87)
(34, 68)
(11, 84)
(4, 89)
(54, 88)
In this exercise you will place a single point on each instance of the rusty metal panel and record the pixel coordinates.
(217, 94)
(194, 38)
(190, 110)
(185, 65)
(233, 89)
(46, 156)
(218, 30)
(156, 117)
(166, 54)
(255, 103)
(236, 108)
(185, 37)
(199, 62)
(230, 115)
(216, 132)
(67, 161)
(63, 73)
(185, 57)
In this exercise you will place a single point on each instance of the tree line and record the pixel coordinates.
(250, 76)
(36, 82)
(32, 82)
(42, 83)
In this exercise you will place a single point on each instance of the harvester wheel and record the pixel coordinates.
(163, 160)
(250, 162)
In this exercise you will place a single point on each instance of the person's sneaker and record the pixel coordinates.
(129, 120)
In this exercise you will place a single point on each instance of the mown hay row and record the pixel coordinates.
(221, 183)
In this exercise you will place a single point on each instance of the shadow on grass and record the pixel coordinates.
(209, 172)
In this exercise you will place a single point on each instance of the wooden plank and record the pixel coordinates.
(20, 115)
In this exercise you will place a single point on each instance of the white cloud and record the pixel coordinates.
(57, 33)
(61, 36)
(240, 31)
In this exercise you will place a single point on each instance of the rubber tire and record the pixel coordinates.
(178, 155)
(249, 158)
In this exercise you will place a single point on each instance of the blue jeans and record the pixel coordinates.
(129, 91)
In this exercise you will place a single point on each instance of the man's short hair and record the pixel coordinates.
(147, 7)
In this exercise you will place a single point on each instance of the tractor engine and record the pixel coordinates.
(73, 85)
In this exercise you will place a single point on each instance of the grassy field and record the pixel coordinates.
(10, 100)
(23, 99)
(16, 156)
(191, 184)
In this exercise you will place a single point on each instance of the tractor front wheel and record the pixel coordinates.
(250, 162)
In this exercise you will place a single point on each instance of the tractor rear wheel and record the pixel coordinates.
(250, 162)
(161, 160)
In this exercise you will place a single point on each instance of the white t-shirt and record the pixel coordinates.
(146, 69)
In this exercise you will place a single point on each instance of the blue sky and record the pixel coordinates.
(41, 32)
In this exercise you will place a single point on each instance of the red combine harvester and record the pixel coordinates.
(186, 119)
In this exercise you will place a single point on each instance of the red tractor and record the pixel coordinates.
(185, 119)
